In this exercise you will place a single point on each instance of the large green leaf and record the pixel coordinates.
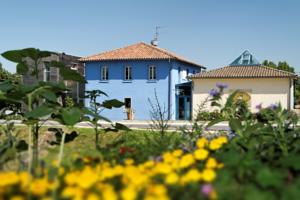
(266, 177)
(113, 103)
(86, 111)
(14, 56)
(235, 125)
(71, 116)
(6, 86)
(49, 95)
(121, 127)
(67, 73)
(39, 112)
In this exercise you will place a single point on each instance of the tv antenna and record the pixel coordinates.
(154, 42)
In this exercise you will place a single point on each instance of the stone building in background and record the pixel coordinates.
(47, 73)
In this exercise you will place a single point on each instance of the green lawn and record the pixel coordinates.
(139, 145)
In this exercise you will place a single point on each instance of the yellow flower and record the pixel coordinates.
(163, 168)
(217, 143)
(208, 175)
(172, 178)
(211, 163)
(193, 175)
(75, 192)
(39, 187)
(223, 139)
(201, 154)
(17, 197)
(129, 161)
(202, 142)
(168, 157)
(109, 192)
(177, 153)
(93, 196)
(186, 161)
(87, 178)
(128, 193)
(8, 178)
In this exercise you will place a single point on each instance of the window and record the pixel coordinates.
(74, 66)
(187, 72)
(127, 102)
(104, 73)
(46, 71)
(152, 72)
(128, 75)
(183, 74)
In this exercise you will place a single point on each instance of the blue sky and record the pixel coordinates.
(210, 32)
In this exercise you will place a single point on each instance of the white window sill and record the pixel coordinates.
(151, 81)
(127, 81)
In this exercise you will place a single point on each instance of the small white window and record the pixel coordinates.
(46, 71)
(127, 73)
(104, 73)
(152, 72)
(183, 74)
(74, 66)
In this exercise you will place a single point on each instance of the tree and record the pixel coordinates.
(282, 65)
(6, 75)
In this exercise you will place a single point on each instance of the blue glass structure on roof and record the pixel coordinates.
(246, 59)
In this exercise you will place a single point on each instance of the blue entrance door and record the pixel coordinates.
(183, 108)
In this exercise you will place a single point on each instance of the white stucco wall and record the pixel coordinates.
(262, 90)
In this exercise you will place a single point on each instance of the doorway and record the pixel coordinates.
(183, 101)
(128, 109)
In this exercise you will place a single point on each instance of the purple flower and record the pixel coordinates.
(214, 92)
(259, 106)
(273, 106)
(207, 189)
(222, 85)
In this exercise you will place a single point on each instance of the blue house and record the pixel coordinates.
(132, 74)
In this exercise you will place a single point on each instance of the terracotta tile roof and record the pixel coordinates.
(139, 51)
(254, 71)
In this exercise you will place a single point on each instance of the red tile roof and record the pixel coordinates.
(139, 51)
(255, 71)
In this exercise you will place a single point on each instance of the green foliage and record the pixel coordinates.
(40, 101)
(261, 160)
(94, 112)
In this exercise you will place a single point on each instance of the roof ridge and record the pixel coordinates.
(243, 71)
(111, 50)
(160, 49)
(279, 70)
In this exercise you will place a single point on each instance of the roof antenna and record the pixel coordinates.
(154, 42)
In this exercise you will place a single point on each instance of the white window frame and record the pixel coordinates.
(127, 73)
(152, 75)
(47, 72)
(104, 74)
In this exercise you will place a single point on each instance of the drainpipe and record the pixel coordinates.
(170, 89)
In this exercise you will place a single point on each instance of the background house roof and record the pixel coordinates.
(245, 59)
(254, 71)
(139, 51)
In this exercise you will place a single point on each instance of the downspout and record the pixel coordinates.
(170, 89)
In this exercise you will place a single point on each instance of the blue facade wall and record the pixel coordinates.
(139, 89)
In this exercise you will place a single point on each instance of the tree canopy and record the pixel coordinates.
(282, 65)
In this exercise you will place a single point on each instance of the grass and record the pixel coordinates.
(141, 145)
(138, 144)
